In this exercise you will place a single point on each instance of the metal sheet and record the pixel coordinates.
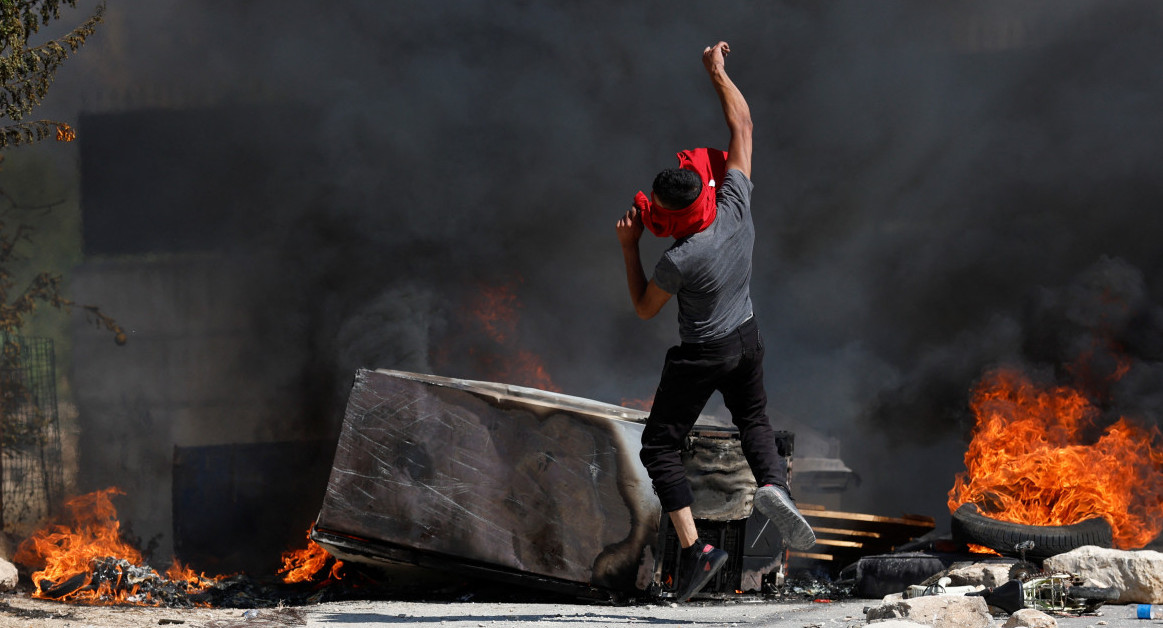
(500, 477)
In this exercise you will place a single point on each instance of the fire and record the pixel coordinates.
(65, 133)
(638, 404)
(68, 558)
(1031, 461)
(302, 565)
(495, 310)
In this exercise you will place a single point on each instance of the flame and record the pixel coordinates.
(638, 404)
(195, 582)
(528, 370)
(981, 549)
(495, 310)
(65, 133)
(62, 552)
(66, 553)
(1031, 462)
(302, 565)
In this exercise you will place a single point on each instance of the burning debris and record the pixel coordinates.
(305, 564)
(117, 581)
(85, 560)
(1039, 458)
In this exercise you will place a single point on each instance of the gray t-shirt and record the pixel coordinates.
(710, 271)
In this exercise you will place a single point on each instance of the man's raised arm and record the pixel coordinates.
(735, 108)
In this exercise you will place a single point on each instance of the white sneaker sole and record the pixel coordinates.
(778, 507)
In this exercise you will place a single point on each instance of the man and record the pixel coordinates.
(709, 268)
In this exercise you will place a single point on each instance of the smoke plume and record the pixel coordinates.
(939, 187)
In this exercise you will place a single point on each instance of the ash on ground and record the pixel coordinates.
(798, 589)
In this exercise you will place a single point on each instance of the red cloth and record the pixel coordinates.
(711, 166)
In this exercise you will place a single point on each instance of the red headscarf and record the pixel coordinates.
(711, 166)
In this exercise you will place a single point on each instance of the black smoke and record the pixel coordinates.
(940, 188)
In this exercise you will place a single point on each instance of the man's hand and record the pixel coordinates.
(716, 56)
(630, 228)
(735, 108)
(646, 296)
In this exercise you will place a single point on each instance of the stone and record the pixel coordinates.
(989, 575)
(1030, 618)
(899, 623)
(8, 576)
(1138, 575)
(937, 611)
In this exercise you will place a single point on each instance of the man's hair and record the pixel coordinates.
(677, 188)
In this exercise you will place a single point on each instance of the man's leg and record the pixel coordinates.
(698, 561)
(684, 526)
(683, 391)
(746, 398)
(685, 386)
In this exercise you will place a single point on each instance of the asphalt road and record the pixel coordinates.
(19, 611)
(782, 614)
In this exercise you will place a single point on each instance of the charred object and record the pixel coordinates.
(1038, 542)
(531, 487)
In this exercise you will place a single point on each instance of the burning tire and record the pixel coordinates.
(970, 526)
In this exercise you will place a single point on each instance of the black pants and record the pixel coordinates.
(733, 365)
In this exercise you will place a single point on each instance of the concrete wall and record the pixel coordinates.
(194, 372)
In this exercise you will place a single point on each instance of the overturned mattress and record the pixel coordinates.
(491, 479)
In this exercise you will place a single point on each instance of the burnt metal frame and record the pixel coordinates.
(378, 399)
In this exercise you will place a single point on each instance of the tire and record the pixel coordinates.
(1093, 594)
(970, 526)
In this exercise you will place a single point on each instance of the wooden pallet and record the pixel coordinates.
(843, 537)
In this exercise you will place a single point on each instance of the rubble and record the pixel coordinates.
(1137, 575)
(113, 580)
(987, 574)
(1030, 618)
(8, 575)
(801, 588)
(938, 611)
(943, 586)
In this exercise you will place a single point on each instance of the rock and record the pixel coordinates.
(938, 611)
(988, 575)
(8, 575)
(892, 598)
(1030, 618)
(1138, 575)
(899, 623)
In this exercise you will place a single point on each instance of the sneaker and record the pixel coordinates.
(695, 573)
(775, 504)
